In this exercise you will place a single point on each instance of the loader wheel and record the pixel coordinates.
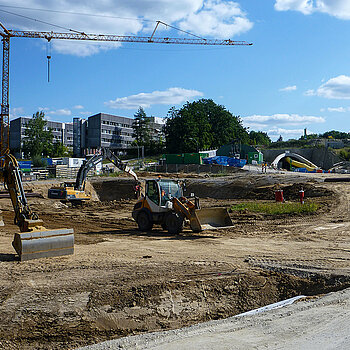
(174, 223)
(144, 221)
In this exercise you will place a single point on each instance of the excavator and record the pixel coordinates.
(164, 204)
(34, 240)
(75, 192)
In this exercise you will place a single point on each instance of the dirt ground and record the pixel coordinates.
(121, 281)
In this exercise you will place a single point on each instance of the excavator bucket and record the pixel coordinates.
(213, 218)
(44, 243)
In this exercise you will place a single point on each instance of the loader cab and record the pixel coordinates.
(162, 191)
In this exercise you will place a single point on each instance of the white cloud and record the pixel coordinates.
(49, 111)
(336, 8)
(335, 88)
(310, 93)
(289, 88)
(78, 107)
(62, 111)
(285, 132)
(210, 18)
(288, 119)
(304, 6)
(172, 96)
(338, 109)
(16, 112)
(217, 18)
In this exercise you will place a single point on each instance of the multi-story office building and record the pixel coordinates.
(156, 127)
(111, 131)
(86, 136)
(79, 136)
(62, 132)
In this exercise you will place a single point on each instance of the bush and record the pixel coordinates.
(38, 162)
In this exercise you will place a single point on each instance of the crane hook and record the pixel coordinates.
(48, 56)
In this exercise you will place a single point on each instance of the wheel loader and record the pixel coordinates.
(164, 203)
(34, 240)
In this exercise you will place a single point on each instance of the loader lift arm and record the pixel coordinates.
(34, 240)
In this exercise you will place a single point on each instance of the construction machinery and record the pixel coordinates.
(164, 204)
(34, 240)
(74, 192)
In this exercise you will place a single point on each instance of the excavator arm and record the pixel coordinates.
(11, 176)
(103, 153)
(34, 240)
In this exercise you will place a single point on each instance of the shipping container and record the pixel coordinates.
(174, 158)
(257, 156)
(192, 158)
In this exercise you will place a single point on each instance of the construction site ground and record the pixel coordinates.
(121, 281)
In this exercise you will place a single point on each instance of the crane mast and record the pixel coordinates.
(7, 34)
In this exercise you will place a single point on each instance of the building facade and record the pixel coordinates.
(110, 131)
(62, 132)
(85, 136)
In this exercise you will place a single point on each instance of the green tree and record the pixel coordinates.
(141, 129)
(339, 135)
(37, 140)
(201, 125)
(60, 150)
(259, 138)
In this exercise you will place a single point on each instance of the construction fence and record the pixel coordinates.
(193, 168)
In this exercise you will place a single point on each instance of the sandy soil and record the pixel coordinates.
(122, 282)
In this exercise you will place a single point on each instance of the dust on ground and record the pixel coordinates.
(121, 281)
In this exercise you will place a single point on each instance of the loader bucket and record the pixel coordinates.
(43, 244)
(213, 218)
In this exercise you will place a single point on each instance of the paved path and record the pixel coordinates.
(316, 323)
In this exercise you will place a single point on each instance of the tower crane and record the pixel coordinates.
(73, 35)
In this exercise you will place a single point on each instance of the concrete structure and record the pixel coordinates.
(292, 155)
(321, 156)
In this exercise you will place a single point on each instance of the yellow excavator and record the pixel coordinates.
(74, 192)
(164, 204)
(34, 240)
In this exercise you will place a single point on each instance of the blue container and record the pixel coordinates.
(47, 161)
(25, 164)
(225, 161)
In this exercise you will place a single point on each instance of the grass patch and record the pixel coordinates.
(274, 208)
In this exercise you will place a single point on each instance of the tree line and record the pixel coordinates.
(199, 125)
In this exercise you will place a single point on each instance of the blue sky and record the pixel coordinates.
(295, 76)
